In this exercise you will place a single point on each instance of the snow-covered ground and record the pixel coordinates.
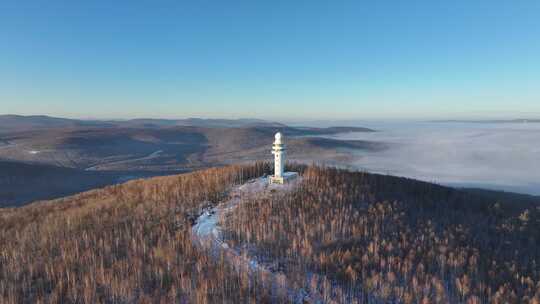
(207, 233)
(207, 228)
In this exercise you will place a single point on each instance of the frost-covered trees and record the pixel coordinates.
(388, 239)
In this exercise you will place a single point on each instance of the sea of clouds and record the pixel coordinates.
(500, 156)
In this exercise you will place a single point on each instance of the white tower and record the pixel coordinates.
(279, 149)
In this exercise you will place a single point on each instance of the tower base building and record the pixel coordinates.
(287, 176)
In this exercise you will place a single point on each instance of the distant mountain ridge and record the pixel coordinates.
(197, 122)
(16, 123)
(172, 146)
(519, 120)
(61, 156)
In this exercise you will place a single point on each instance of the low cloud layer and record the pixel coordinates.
(495, 156)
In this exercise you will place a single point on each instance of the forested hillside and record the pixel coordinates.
(381, 239)
(123, 244)
(356, 237)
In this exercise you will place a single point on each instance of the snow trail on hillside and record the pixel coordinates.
(207, 234)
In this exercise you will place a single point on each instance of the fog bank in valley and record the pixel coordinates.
(500, 156)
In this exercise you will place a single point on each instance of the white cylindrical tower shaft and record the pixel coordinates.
(278, 149)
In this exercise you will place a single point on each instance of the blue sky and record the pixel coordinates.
(271, 59)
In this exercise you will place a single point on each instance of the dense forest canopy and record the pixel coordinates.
(359, 237)
(381, 239)
(128, 243)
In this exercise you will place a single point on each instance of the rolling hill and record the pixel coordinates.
(17, 123)
(97, 153)
(158, 149)
(339, 236)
